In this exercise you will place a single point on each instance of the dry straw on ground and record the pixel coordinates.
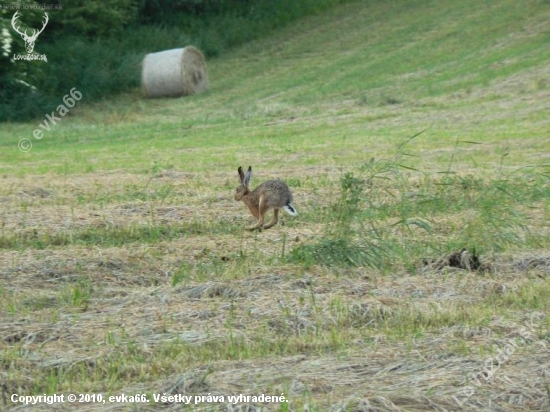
(137, 332)
(175, 72)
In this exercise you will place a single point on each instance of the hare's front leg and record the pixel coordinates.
(274, 220)
(262, 208)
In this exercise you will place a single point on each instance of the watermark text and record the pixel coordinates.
(69, 101)
(493, 363)
(17, 6)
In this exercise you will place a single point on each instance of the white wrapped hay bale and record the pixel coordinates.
(176, 72)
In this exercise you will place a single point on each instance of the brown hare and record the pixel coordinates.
(272, 194)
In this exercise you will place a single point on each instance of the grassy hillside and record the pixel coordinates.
(407, 130)
(369, 71)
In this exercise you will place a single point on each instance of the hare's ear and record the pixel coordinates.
(248, 176)
(241, 174)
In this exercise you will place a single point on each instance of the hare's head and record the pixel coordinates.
(243, 189)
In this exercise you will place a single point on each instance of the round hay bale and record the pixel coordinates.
(176, 72)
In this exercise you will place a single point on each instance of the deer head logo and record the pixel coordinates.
(29, 40)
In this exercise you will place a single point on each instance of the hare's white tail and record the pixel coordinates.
(290, 210)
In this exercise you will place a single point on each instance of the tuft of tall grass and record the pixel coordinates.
(390, 214)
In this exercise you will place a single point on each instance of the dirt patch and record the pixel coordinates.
(460, 259)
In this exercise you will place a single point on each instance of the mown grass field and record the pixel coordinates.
(407, 130)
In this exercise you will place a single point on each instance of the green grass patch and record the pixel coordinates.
(108, 235)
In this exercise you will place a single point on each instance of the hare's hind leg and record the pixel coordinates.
(262, 208)
(274, 220)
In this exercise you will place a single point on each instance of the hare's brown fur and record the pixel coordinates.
(271, 194)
